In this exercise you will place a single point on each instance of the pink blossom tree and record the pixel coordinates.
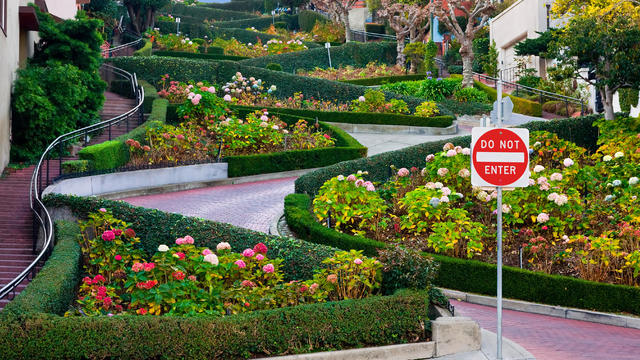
(477, 13)
(407, 19)
(338, 9)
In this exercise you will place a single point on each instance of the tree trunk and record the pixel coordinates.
(400, 59)
(148, 18)
(466, 52)
(607, 102)
(347, 30)
(134, 19)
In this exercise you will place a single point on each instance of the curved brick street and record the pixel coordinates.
(551, 338)
(250, 205)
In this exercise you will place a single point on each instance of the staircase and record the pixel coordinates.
(16, 219)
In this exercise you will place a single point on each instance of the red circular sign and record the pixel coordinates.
(500, 157)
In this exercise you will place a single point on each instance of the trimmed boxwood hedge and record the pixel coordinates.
(145, 50)
(578, 130)
(520, 105)
(385, 79)
(152, 68)
(250, 6)
(201, 13)
(260, 23)
(192, 29)
(188, 55)
(363, 118)
(476, 276)
(242, 35)
(150, 94)
(352, 53)
(30, 326)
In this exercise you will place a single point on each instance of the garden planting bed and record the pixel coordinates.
(121, 286)
(566, 263)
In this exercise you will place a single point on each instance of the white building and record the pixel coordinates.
(18, 35)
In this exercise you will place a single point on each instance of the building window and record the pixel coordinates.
(3, 16)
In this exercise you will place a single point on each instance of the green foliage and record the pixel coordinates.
(430, 52)
(145, 50)
(478, 277)
(452, 56)
(385, 79)
(49, 101)
(427, 109)
(250, 6)
(529, 80)
(307, 20)
(454, 69)
(538, 46)
(480, 51)
(490, 61)
(471, 95)
(75, 166)
(107, 155)
(353, 53)
(260, 23)
(150, 94)
(628, 98)
(520, 105)
(188, 55)
(416, 52)
(465, 108)
(406, 269)
(375, 28)
(430, 89)
(200, 13)
(197, 29)
(274, 67)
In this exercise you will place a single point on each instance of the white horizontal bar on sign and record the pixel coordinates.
(512, 157)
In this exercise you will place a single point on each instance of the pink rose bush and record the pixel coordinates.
(569, 219)
(169, 281)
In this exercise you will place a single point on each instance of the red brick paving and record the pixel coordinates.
(250, 205)
(551, 338)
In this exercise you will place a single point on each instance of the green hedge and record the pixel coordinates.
(121, 87)
(363, 118)
(238, 5)
(242, 35)
(193, 30)
(53, 289)
(375, 28)
(520, 105)
(145, 50)
(75, 166)
(259, 23)
(307, 20)
(188, 55)
(353, 53)
(150, 94)
(115, 153)
(385, 79)
(201, 13)
(152, 68)
(478, 277)
(578, 130)
(210, 50)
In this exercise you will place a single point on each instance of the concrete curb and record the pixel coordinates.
(273, 227)
(550, 310)
(397, 129)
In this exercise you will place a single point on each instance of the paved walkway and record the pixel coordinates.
(551, 338)
(249, 205)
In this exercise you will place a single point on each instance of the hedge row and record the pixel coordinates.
(220, 72)
(385, 79)
(150, 94)
(475, 276)
(201, 13)
(520, 105)
(353, 53)
(242, 35)
(578, 130)
(259, 23)
(145, 50)
(307, 20)
(191, 29)
(363, 118)
(115, 153)
(238, 5)
(188, 55)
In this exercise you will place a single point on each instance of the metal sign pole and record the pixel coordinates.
(499, 232)
(328, 46)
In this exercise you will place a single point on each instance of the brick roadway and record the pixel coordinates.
(551, 338)
(251, 205)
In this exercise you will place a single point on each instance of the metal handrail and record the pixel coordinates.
(367, 35)
(518, 87)
(109, 51)
(40, 213)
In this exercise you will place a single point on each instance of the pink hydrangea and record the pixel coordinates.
(260, 248)
(466, 151)
(259, 257)
(567, 162)
(359, 182)
(179, 241)
(188, 240)
(227, 97)
(212, 90)
(542, 218)
(103, 210)
(137, 267)
(451, 153)
(108, 235)
(446, 191)
(223, 246)
(241, 264)
(555, 177)
(118, 257)
(269, 268)
(443, 172)
(430, 157)
(403, 172)
(370, 187)
(206, 252)
(248, 253)
(357, 261)
(351, 178)
(247, 283)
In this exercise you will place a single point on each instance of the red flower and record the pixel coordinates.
(129, 233)
(107, 301)
(87, 280)
(142, 311)
(303, 288)
(118, 232)
(98, 279)
(179, 255)
(192, 278)
(149, 266)
(118, 257)
(544, 227)
(102, 290)
(327, 136)
(178, 275)
(247, 304)
(108, 235)
(261, 248)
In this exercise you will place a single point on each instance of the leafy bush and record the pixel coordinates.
(465, 108)
(145, 50)
(274, 67)
(188, 55)
(250, 6)
(560, 107)
(454, 69)
(427, 109)
(471, 95)
(258, 23)
(520, 105)
(200, 13)
(406, 269)
(628, 98)
(332, 32)
(75, 166)
(430, 89)
(150, 94)
(307, 20)
(529, 80)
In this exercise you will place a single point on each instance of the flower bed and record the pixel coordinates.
(252, 50)
(376, 320)
(348, 72)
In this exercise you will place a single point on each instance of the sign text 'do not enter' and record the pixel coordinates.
(500, 157)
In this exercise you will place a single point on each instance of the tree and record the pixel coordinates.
(407, 20)
(490, 62)
(608, 44)
(477, 13)
(142, 13)
(538, 46)
(339, 10)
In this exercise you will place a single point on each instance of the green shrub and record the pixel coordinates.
(192, 29)
(471, 95)
(520, 105)
(406, 268)
(145, 50)
(465, 108)
(628, 98)
(454, 69)
(250, 6)
(307, 20)
(429, 88)
(210, 50)
(75, 166)
(150, 94)
(121, 87)
(242, 35)
(478, 277)
(385, 79)
(353, 53)
(280, 25)
(260, 23)
(188, 55)
(106, 155)
(201, 13)
(156, 118)
(529, 80)
(274, 67)
(374, 28)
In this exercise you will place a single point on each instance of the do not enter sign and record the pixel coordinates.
(499, 157)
